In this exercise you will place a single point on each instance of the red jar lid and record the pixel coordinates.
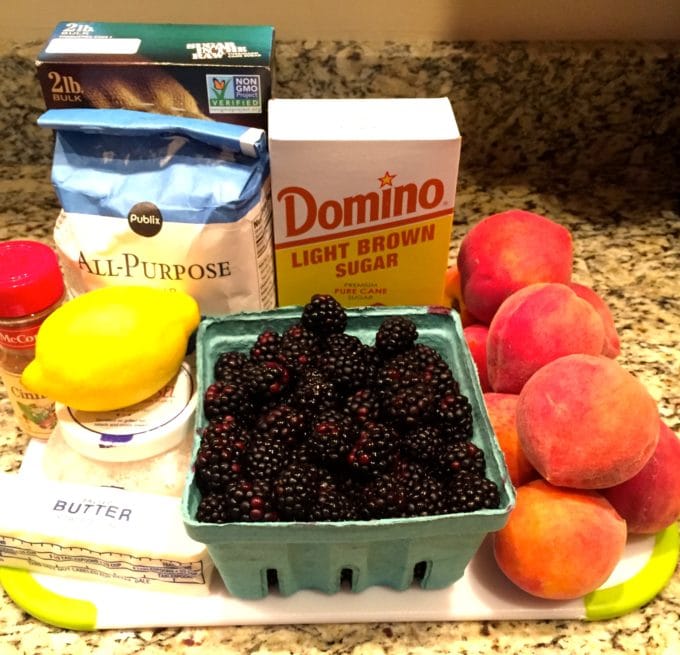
(30, 278)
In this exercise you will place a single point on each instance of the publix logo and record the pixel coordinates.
(304, 212)
(145, 219)
(233, 94)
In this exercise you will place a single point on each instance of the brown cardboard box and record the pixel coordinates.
(218, 72)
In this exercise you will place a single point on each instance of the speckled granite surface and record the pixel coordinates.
(566, 109)
(602, 164)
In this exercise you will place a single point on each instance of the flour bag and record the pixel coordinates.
(165, 201)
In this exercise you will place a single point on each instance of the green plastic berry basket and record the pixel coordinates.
(348, 555)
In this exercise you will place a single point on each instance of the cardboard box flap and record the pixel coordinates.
(160, 42)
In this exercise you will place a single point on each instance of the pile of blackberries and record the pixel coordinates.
(314, 425)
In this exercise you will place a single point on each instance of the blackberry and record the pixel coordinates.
(212, 509)
(423, 443)
(324, 315)
(269, 380)
(426, 365)
(343, 342)
(348, 370)
(454, 413)
(434, 371)
(265, 457)
(373, 361)
(266, 347)
(396, 334)
(330, 438)
(284, 423)
(332, 503)
(459, 457)
(470, 491)
(303, 454)
(249, 501)
(218, 429)
(313, 394)
(223, 399)
(214, 476)
(395, 375)
(375, 451)
(411, 406)
(219, 458)
(231, 366)
(381, 497)
(425, 496)
(441, 379)
(299, 348)
(295, 490)
(424, 355)
(362, 406)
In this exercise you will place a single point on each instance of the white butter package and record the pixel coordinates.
(363, 194)
(164, 201)
(100, 533)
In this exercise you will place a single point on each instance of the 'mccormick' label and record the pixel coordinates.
(366, 220)
(21, 338)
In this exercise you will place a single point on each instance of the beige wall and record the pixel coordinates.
(26, 20)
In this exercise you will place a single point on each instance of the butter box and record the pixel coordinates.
(102, 534)
(363, 194)
(220, 72)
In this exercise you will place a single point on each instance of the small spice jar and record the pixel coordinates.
(145, 447)
(31, 288)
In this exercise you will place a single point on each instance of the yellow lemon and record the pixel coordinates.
(111, 347)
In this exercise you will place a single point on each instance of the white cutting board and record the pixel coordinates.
(482, 593)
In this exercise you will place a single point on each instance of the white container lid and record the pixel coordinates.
(133, 433)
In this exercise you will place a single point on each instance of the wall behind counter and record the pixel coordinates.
(445, 20)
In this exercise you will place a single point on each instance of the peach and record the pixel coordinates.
(452, 285)
(612, 343)
(507, 251)
(559, 543)
(453, 295)
(475, 337)
(584, 421)
(534, 326)
(650, 500)
(502, 411)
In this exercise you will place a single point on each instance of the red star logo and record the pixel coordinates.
(386, 180)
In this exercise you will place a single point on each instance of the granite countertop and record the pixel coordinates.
(574, 155)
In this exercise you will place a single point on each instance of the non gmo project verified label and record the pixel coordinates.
(234, 94)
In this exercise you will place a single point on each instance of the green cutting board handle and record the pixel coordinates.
(46, 605)
(643, 586)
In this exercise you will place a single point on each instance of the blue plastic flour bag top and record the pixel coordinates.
(120, 154)
(162, 200)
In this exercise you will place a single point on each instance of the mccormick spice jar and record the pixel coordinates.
(31, 288)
